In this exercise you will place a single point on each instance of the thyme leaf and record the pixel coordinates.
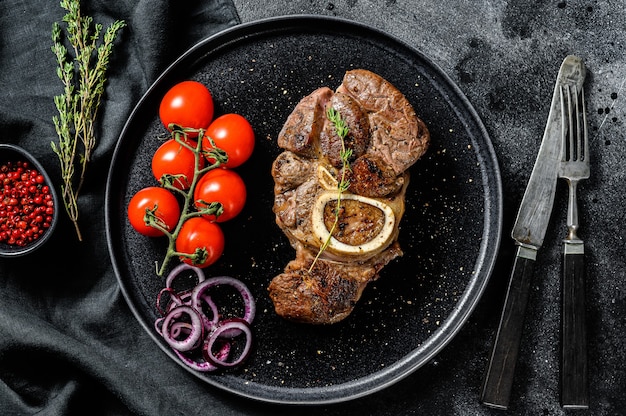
(342, 130)
(82, 71)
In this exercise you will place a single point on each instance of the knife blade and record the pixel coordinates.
(528, 232)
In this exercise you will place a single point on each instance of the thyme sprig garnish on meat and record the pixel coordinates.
(83, 78)
(342, 130)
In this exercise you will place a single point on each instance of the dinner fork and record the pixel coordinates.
(574, 166)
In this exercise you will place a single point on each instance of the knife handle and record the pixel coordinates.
(499, 376)
(574, 387)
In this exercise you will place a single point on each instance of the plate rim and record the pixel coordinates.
(453, 323)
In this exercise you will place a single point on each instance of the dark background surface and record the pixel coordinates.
(70, 345)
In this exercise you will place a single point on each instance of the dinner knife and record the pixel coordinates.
(528, 232)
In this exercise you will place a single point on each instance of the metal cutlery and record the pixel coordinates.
(528, 233)
(574, 167)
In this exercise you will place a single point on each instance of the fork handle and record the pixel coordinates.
(574, 384)
(498, 380)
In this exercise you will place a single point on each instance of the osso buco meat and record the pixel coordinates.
(322, 285)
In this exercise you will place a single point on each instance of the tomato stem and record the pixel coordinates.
(180, 134)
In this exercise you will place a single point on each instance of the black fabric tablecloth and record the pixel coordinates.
(69, 344)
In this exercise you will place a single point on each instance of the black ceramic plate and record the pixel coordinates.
(450, 232)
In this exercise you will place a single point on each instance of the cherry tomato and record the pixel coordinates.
(175, 159)
(200, 233)
(187, 104)
(233, 134)
(167, 210)
(224, 186)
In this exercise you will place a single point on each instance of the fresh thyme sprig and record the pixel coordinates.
(83, 78)
(342, 130)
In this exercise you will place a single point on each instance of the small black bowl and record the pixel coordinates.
(9, 152)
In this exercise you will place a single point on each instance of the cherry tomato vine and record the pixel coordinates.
(185, 166)
(170, 182)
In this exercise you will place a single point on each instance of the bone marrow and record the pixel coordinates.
(365, 225)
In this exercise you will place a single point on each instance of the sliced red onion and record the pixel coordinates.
(158, 325)
(222, 353)
(203, 365)
(169, 280)
(178, 329)
(199, 293)
(174, 299)
(190, 314)
(185, 297)
(229, 325)
(196, 330)
(211, 321)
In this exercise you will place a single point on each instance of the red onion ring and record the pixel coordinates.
(180, 328)
(196, 329)
(198, 295)
(185, 297)
(174, 298)
(229, 325)
(158, 325)
(211, 322)
(203, 365)
(169, 280)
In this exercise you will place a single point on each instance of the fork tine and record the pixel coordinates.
(567, 130)
(566, 122)
(580, 125)
(585, 146)
(579, 137)
(573, 122)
